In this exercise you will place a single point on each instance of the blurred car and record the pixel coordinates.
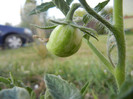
(14, 37)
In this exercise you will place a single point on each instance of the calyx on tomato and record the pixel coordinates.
(64, 40)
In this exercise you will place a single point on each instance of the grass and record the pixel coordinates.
(34, 61)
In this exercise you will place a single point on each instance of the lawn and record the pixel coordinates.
(33, 62)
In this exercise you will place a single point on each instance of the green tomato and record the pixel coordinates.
(64, 40)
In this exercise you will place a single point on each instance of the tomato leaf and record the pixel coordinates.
(59, 22)
(62, 5)
(101, 5)
(89, 31)
(85, 28)
(14, 93)
(86, 36)
(44, 27)
(61, 89)
(43, 7)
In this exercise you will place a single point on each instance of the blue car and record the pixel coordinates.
(14, 37)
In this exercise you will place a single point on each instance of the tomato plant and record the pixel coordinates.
(66, 39)
(116, 30)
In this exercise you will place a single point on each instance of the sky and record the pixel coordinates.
(10, 10)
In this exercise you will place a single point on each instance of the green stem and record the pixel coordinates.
(69, 15)
(118, 32)
(120, 38)
(101, 57)
(97, 16)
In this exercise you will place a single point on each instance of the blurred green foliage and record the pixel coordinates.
(25, 64)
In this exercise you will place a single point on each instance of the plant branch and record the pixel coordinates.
(120, 38)
(97, 16)
(69, 15)
(118, 31)
(101, 57)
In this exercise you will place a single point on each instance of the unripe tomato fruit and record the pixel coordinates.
(64, 40)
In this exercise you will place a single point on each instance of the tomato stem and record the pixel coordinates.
(69, 15)
(118, 31)
(120, 38)
(101, 57)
